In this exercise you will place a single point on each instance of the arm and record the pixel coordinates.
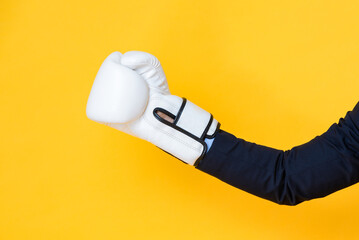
(130, 93)
(315, 169)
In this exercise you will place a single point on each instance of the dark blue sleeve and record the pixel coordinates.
(326, 164)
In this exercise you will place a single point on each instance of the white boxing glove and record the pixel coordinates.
(130, 92)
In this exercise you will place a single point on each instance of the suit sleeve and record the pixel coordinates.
(324, 165)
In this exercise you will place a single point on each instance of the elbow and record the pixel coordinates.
(285, 197)
(288, 203)
(282, 193)
(286, 194)
(284, 189)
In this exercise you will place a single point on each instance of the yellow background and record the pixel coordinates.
(276, 73)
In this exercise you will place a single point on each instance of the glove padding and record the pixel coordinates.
(129, 92)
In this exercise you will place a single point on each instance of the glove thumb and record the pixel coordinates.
(149, 68)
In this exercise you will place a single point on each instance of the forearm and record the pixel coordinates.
(315, 169)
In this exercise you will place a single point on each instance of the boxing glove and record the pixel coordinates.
(130, 93)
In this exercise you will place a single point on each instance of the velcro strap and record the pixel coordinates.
(193, 119)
